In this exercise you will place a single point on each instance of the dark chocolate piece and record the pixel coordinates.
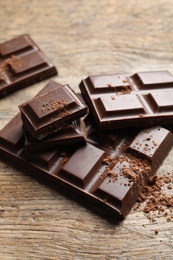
(75, 133)
(51, 111)
(22, 63)
(109, 176)
(72, 134)
(117, 101)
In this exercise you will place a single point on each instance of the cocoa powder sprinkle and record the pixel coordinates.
(154, 202)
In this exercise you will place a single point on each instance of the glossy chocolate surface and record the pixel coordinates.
(71, 134)
(52, 111)
(108, 171)
(22, 63)
(141, 100)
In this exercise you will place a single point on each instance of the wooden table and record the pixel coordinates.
(81, 38)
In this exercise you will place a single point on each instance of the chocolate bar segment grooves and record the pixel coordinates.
(141, 100)
(52, 111)
(72, 134)
(109, 179)
(22, 63)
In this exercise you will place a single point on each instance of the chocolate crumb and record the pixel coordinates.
(169, 187)
(129, 174)
(125, 81)
(154, 202)
(156, 231)
(108, 159)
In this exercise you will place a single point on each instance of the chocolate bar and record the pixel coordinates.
(107, 172)
(52, 111)
(22, 63)
(141, 100)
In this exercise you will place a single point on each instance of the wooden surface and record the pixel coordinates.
(81, 38)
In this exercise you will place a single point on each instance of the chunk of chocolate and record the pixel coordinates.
(52, 111)
(141, 100)
(22, 63)
(109, 176)
(72, 134)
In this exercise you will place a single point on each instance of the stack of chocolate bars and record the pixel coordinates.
(103, 144)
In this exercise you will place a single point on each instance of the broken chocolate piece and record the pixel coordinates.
(141, 100)
(22, 63)
(72, 134)
(52, 111)
(108, 177)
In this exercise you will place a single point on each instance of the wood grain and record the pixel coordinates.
(82, 38)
